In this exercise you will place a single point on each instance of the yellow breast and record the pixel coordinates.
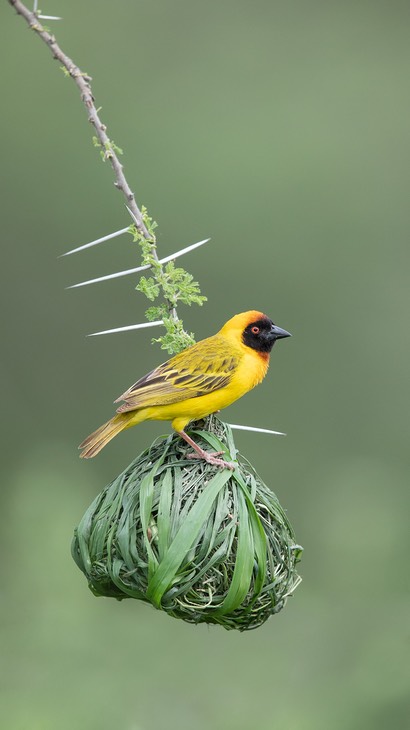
(251, 371)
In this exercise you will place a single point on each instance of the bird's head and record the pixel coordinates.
(255, 330)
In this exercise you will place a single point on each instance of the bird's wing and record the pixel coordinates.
(199, 370)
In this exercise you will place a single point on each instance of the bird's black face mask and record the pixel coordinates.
(262, 335)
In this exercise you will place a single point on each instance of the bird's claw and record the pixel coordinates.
(212, 458)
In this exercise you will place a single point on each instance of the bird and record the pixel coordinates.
(200, 380)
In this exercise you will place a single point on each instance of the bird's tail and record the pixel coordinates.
(96, 441)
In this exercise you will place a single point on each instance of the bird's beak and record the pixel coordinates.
(277, 333)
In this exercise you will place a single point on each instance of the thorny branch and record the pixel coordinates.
(83, 82)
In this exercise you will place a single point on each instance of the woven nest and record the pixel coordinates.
(201, 543)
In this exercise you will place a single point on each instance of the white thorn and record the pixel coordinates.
(183, 251)
(94, 243)
(138, 268)
(109, 276)
(35, 6)
(49, 17)
(128, 327)
(258, 430)
(134, 217)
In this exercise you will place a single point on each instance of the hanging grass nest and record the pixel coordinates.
(203, 544)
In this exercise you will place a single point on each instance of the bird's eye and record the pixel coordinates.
(255, 330)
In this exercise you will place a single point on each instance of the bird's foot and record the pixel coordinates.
(212, 458)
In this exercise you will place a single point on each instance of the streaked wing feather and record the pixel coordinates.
(200, 370)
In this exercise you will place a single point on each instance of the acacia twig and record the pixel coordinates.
(83, 82)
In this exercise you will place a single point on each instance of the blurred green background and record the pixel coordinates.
(281, 130)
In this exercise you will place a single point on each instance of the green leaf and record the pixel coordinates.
(148, 287)
(173, 283)
(154, 313)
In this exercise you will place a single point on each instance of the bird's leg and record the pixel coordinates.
(202, 454)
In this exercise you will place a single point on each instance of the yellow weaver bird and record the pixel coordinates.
(198, 381)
